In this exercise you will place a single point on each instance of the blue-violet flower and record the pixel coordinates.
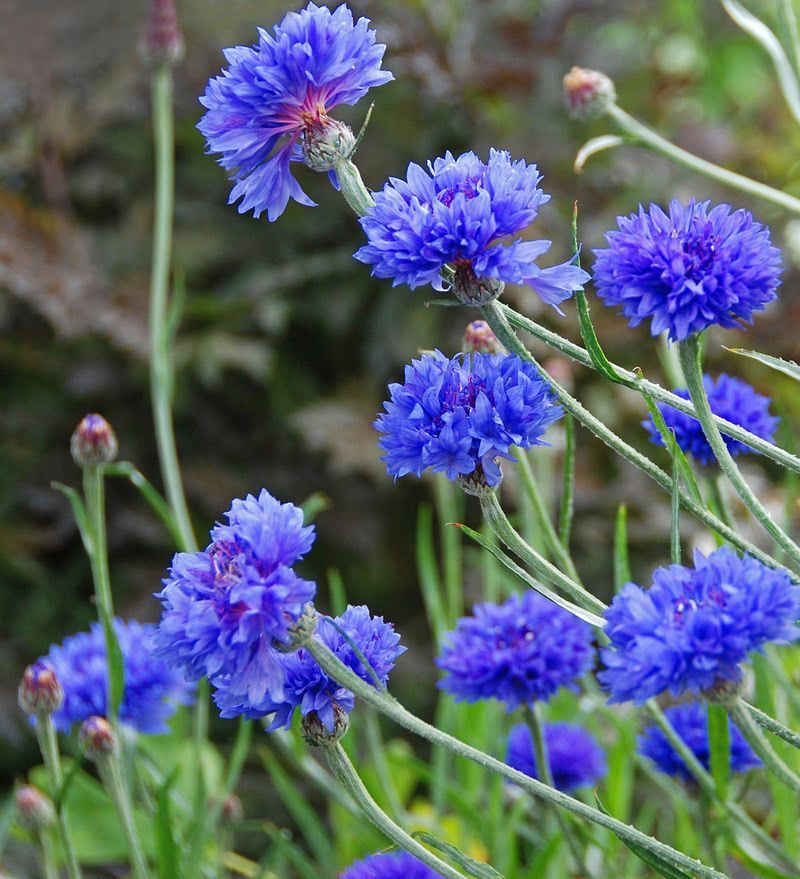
(459, 415)
(271, 104)
(467, 214)
(689, 269)
(695, 626)
(520, 651)
(731, 399)
(224, 607)
(691, 723)
(389, 865)
(576, 760)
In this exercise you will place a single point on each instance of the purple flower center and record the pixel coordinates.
(469, 188)
(699, 252)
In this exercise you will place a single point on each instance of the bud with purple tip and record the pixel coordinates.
(163, 41)
(98, 738)
(35, 810)
(478, 337)
(588, 92)
(40, 691)
(93, 442)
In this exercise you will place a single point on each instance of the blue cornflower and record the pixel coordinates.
(306, 685)
(690, 722)
(695, 626)
(731, 399)
(520, 651)
(459, 415)
(389, 865)
(224, 607)
(278, 94)
(152, 688)
(468, 214)
(689, 269)
(576, 760)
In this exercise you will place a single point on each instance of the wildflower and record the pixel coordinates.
(98, 738)
(479, 337)
(576, 760)
(307, 687)
(588, 92)
(163, 41)
(731, 399)
(695, 626)
(224, 607)
(40, 691)
(520, 651)
(467, 214)
(389, 865)
(35, 810)
(690, 722)
(459, 415)
(152, 689)
(689, 269)
(271, 104)
(93, 442)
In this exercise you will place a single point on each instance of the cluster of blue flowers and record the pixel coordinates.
(731, 399)
(153, 690)
(389, 865)
(519, 652)
(691, 724)
(458, 415)
(694, 627)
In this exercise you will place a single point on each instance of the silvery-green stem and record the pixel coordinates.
(773, 726)
(344, 770)
(109, 768)
(742, 717)
(49, 863)
(389, 706)
(649, 138)
(48, 745)
(691, 361)
(498, 522)
(353, 189)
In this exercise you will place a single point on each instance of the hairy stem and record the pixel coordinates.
(742, 717)
(110, 770)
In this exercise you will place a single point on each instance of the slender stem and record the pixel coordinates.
(649, 138)
(496, 316)
(378, 753)
(48, 745)
(691, 361)
(161, 366)
(773, 726)
(110, 770)
(567, 507)
(743, 718)
(789, 17)
(353, 189)
(49, 863)
(497, 521)
(717, 499)
(344, 770)
(389, 706)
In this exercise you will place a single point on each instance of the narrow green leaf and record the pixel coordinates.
(166, 846)
(567, 507)
(8, 812)
(719, 744)
(337, 592)
(428, 573)
(622, 563)
(313, 505)
(594, 146)
(80, 514)
(116, 668)
(675, 515)
(157, 503)
(469, 865)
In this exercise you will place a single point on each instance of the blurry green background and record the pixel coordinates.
(287, 343)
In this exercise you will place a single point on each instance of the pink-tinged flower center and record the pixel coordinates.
(469, 188)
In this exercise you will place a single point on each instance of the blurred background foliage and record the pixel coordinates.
(287, 344)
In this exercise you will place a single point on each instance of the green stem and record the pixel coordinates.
(110, 770)
(691, 361)
(378, 753)
(497, 521)
(743, 718)
(49, 863)
(649, 138)
(773, 726)
(567, 507)
(353, 189)
(48, 745)
(389, 706)
(717, 500)
(344, 770)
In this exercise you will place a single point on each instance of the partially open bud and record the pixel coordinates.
(93, 442)
(35, 810)
(588, 92)
(317, 734)
(479, 338)
(98, 738)
(327, 143)
(472, 290)
(475, 483)
(163, 41)
(300, 632)
(40, 690)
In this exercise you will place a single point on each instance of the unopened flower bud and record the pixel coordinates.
(724, 692)
(472, 290)
(93, 442)
(35, 810)
(588, 92)
(232, 809)
(317, 734)
(327, 143)
(98, 738)
(479, 338)
(40, 690)
(163, 41)
(300, 632)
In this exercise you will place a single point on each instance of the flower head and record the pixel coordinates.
(689, 269)
(93, 442)
(731, 399)
(691, 724)
(152, 688)
(520, 651)
(468, 214)
(40, 691)
(307, 687)
(459, 415)
(695, 626)
(576, 760)
(273, 100)
(389, 865)
(224, 607)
